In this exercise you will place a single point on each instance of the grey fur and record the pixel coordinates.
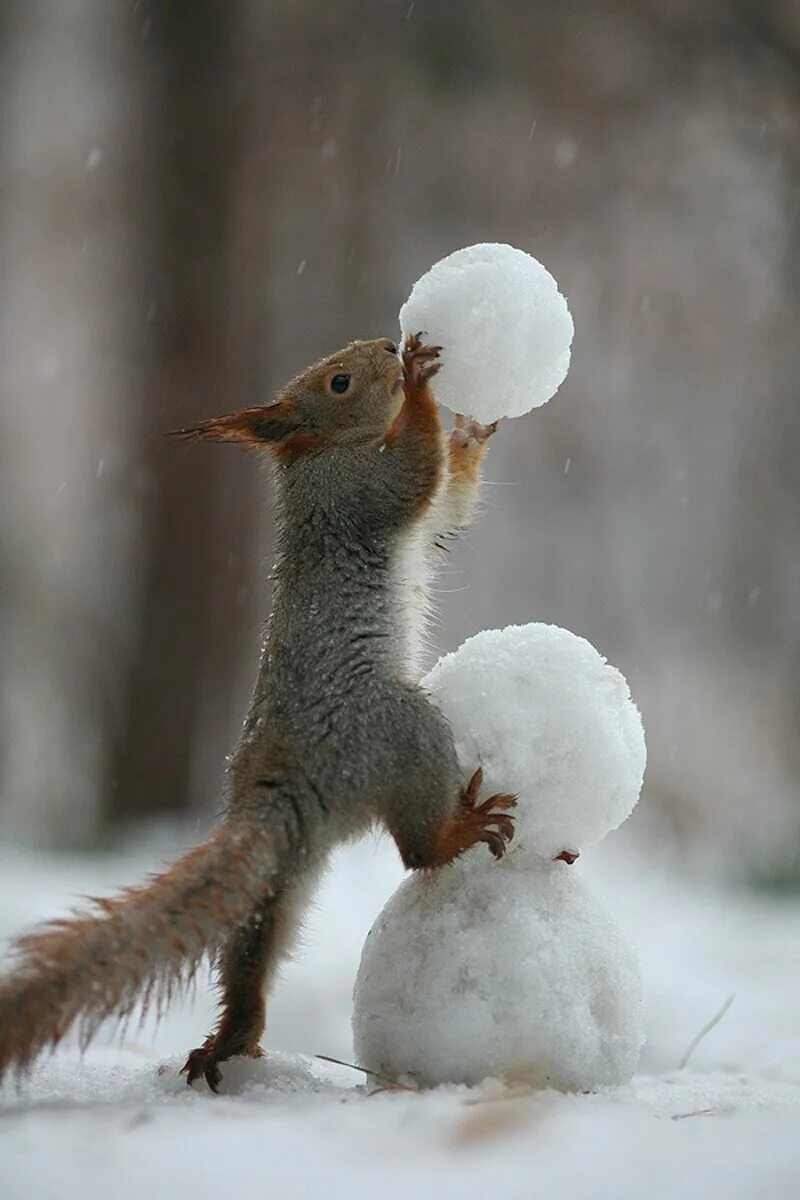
(333, 721)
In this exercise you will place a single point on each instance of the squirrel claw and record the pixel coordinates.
(419, 360)
(472, 822)
(202, 1062)
(498, 828)
(488, 822)
(205, 1060)
(467, 429)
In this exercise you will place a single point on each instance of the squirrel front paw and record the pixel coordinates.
(467, 429)
(419, 361)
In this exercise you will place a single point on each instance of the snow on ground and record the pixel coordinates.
(122, 1123)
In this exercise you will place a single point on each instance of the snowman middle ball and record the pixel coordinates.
(547, 718)
(511, 970)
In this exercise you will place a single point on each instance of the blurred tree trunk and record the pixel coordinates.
(196, 578)
(74, 198)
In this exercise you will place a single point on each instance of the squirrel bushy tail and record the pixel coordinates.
(137, 946)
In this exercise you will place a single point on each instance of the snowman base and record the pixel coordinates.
(509, 970)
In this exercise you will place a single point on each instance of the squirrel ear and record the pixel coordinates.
(269, 425)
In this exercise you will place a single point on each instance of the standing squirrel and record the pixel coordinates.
(338, 737)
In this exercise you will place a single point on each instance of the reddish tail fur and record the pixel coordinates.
(139, 945)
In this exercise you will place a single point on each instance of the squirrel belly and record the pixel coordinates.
(338, 736)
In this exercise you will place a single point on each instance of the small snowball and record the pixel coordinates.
(512, 971)
(505, 328)
(547, 718)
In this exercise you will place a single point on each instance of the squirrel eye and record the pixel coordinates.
(340, 384)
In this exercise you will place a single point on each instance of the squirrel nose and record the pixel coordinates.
(388, 346)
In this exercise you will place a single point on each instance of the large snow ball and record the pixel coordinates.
(513, 971)
(546, 717)
(504, 326)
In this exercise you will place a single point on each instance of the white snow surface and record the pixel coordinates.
(546, 717)
(511, 970)
(120, 1123)
(505, 328)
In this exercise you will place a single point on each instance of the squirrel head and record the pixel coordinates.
(354, 393)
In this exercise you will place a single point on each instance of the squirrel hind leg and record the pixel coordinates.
(471, 823)
(489, 822)
(432, 819)
(245, 971)
(242, 977)
(205, 1060)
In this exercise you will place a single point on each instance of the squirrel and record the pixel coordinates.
(338, 738)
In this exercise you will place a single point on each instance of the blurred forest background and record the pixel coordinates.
(200, 196)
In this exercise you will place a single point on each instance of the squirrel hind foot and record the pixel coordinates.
(489, 822)
(204, 1062)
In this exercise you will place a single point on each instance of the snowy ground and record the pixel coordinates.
(123, 1124)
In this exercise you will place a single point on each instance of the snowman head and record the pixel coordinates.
(547, 718)
(508, 349)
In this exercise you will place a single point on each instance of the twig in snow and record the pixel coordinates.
(697, 1039)
(400, 1087)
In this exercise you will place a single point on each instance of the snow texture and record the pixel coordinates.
(546, 717)
(505, 328)
(120, 1123)
(513, 970)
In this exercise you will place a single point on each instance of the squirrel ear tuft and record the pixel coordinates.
(277, 422)
(269, 425)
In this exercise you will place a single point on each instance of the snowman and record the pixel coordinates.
(513, 969)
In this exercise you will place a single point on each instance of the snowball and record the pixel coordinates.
(547, 718)
(505, 328)
(512, 971)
